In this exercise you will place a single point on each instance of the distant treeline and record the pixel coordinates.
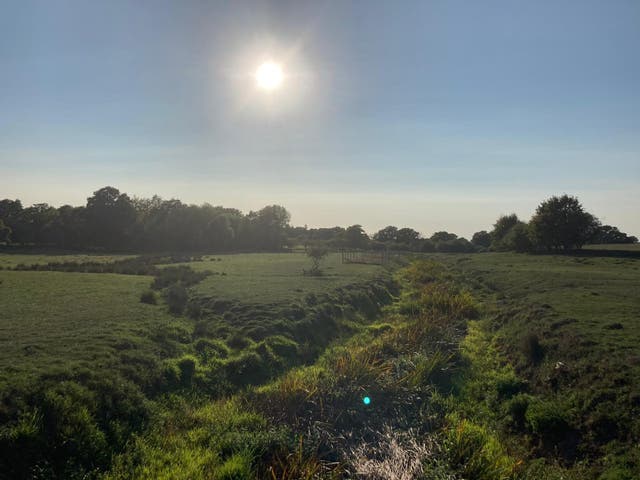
(112, 220)
(559, 224)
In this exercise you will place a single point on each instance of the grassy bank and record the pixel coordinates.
(94, 356)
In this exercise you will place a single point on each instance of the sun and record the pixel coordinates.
(269, 76)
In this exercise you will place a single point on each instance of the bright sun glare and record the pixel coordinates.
(269, 76)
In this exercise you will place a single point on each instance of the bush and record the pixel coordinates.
(211, 349)
(532, 349)
(149, 297)
(547, 419)
(176, 297)
(180, 274)
(187, 366)
(517, 408)
(194, 310)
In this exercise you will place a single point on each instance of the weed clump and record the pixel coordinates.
(149, 297)
(176, 297)
(532, 349)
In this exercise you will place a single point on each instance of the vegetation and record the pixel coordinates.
(101, 352)
(560, 224)
(492, 366)
(316, 254)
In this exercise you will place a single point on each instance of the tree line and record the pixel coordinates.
(560, 223)
(112, 220)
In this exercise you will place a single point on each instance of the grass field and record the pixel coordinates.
(10, 260)
(59, 322)
(570, 326)
(625, 247)
(84, 359)
(273, 278)
(511, 365)
(54, 321)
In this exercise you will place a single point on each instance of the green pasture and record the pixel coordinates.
(624, 247)
(586, 295)
(54, 322)
(275, 277)
(10, 260)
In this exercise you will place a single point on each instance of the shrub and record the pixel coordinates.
(532, 349)
(547, 419)
(517, 407)
(149, 297)
(316, 254)
(210, 349)
(187, 366)
(508, 385)
(176, 297)
(194, 310)
(180, 274)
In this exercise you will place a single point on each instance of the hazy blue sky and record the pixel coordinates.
(430, 114)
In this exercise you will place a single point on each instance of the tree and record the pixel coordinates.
(316, 253)
(481, 239)
(407, 236)
(501, 229)
(387, 234)
(609, 234)
(443, 237)
(355, 237)
(269, 227)
(110, 216)
(561, 223)
(5, 232)
(457, 245)
(11, 215)
(518, 238)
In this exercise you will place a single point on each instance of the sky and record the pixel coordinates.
(437, 115)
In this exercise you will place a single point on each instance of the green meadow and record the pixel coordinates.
(55, 322)
(277, 277)
(13, 259)
(488, 366)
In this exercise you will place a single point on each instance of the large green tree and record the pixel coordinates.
(355, 237)
(110, 218)
(561, 223)
(5, 232)
(386, 234)
(501, 229)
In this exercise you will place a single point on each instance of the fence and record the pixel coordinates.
(370, 257)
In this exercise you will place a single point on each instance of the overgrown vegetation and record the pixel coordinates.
(107, 387)
(463, 376)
